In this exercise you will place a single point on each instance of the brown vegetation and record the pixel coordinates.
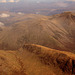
(36, 60)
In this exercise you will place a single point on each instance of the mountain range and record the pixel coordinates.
(57, 31)
(35, 44)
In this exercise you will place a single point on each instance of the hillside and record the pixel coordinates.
(36, 60)
(57, 31)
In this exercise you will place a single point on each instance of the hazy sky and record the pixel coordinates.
(49, 0)
(36, 0)
(44, 0)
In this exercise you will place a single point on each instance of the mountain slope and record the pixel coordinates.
(37, 60)
(57, 32)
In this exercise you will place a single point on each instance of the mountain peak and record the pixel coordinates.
(68, 15)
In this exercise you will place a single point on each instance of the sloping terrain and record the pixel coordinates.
(57, 31)
(36, 60)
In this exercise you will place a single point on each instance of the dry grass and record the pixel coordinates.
(36, 60)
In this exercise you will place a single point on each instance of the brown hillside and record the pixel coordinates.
(36, 60)
(57, 31)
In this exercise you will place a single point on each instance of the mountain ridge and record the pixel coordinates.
(57, 32)
(35, 59)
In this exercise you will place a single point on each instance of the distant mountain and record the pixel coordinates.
(57, 31)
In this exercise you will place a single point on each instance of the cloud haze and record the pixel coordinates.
(3, 15)
(70, 0)
(1, 24)
(4, 1)
(62, 4)
(34, 0)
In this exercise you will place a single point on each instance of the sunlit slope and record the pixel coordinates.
(10, 64)
(57, 32)
(36, 60)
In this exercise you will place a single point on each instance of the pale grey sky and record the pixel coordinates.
(44, 0)
(36, 0)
